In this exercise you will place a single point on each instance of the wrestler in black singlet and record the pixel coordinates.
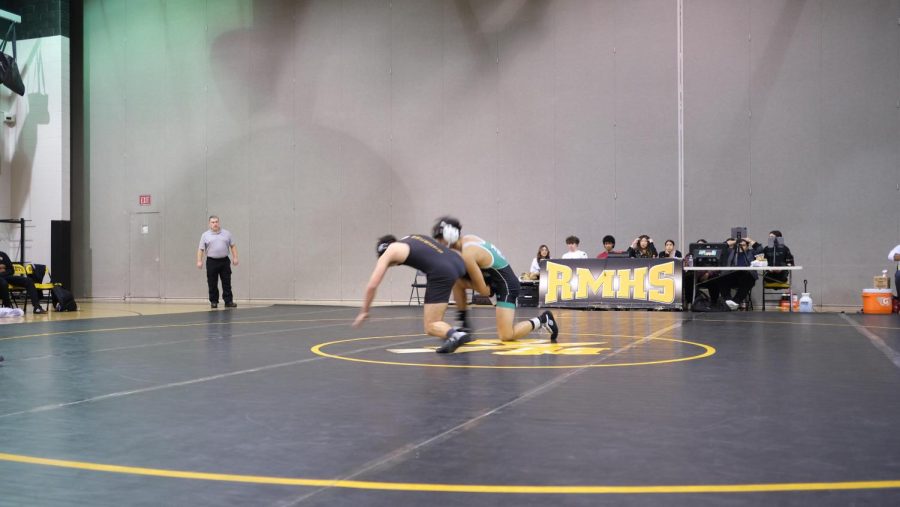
(442, 266)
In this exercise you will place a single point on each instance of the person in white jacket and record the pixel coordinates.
(572, 243)
(895, 257)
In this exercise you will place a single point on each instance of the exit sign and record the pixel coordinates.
(145, 200)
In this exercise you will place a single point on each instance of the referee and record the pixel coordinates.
(217, 242)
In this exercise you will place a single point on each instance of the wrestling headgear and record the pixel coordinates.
(447, 228)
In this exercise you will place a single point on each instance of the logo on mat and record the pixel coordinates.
(529, 347)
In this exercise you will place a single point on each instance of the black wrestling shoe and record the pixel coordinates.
(451, 344)
(39, 310)
(549, 323)
(230, 305)
(214, 305)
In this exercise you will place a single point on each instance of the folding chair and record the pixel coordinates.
(44, 289)
(15, 291)
(414, 288)
(775, 288)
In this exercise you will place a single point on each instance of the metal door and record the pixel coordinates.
(143, 258)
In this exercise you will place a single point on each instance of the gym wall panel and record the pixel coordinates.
(526, 104)
(229, 168)
(416, 125)
(470, 123)
(716, 118)
(183, 149)
(366, 88)
(106, 92)
(144, 121)
(313, 127)
(270, 155)
(646, 172)
(580, 196)
(320, 146)
(785, 129)
(859, 144)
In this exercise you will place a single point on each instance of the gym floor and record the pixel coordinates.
(288, 405)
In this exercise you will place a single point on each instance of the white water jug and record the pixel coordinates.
(806, 303)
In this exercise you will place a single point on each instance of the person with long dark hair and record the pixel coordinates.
(642, 247)
(543, 253)
(670, 251)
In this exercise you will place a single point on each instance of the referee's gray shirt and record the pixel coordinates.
(216, 245)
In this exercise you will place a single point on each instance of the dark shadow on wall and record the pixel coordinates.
(272, 20)
(38, 113)
(510, 19)
(253, 68)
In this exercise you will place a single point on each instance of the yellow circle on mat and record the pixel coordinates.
(705, 351)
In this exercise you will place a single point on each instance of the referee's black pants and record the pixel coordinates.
(215, 269)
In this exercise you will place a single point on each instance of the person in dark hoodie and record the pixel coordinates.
(8, 276)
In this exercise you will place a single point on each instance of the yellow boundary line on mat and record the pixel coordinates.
(455, 488)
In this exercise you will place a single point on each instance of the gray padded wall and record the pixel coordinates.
(313, 127)
(791, 123)
(584, 172)
(785, 69)
(646, 174)
(716, 118)
(860, 161)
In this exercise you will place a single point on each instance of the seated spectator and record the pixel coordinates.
(4, 290)
(7, 276)
(642, 247)
(572, 243)
(895, 256)
(670, 251)
(543, 253)
(777, 255)
(739, 255)
(609, 245)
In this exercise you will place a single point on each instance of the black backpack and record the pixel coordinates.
(703, 304)
(63, 300)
